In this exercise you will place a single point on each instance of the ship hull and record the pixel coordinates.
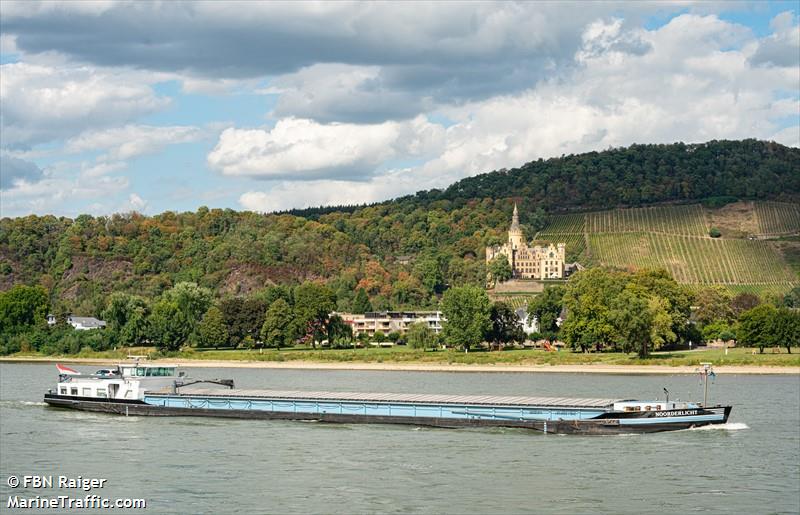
(607, 425)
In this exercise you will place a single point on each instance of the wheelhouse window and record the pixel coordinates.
(87, 392)
(63, 390)
(154, 372)
(101, 392)
(73, 391)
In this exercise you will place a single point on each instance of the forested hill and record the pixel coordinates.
(634, 176)
(403, 253)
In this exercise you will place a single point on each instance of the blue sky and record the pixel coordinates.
(112, 107)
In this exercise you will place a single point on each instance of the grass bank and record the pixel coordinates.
(403, 355)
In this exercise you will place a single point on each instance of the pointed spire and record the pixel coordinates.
(515, 218)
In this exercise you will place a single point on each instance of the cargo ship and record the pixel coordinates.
(162, 390)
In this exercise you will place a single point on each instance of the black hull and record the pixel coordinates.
(586, 427)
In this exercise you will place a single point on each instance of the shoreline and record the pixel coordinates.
(424, 367)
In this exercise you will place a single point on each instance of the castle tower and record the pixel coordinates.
(515, 236)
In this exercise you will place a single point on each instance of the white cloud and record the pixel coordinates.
(782, 48)
(305, 150)
(129, 141)
(331, 92)
(43, 103)
(134, 203)
(55, 193)
(690, 80)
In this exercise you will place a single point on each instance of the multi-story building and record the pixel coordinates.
(529, 262)
(391, 321)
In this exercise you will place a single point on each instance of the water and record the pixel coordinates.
(197, 465)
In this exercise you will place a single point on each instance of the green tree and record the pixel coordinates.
(420, 336)
(506, 326)
(785, 328)
(212, 331)
(313, 303)
(546, 308)
(500, 269)
(429, 270)
(126, 316)
(467, 310)
(279, 328)
(713, 304)
(22, 308)
(136, 330)
(744, 301)
(589, 298)
(339, 332)
(191, 299)
(361, 303)
(718, 330)
(169, 327)
(754, 328)
(792, 299)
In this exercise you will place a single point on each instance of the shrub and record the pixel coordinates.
(714, 233)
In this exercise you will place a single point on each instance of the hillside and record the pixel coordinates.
(755, 252)
(405, 252)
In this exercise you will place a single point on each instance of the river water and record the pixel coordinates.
(203, 465)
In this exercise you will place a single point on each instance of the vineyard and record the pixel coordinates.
(680, 220)
(677, 238)
(777, 218)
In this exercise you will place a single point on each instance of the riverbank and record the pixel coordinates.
(425, 367)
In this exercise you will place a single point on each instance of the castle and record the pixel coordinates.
(537, 262)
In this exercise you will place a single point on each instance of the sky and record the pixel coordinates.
(153, 106)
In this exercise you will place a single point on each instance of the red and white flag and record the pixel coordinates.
(66, 370)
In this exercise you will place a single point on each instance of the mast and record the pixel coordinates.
(705, 371)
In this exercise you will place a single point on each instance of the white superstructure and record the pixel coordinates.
(126, 381)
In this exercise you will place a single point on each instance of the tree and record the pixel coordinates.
(279, 329)
(339, 331)
(168, 325)
(429, 271)
(467, 310)
(718, 331)
(632, 321)
(754, 328)
(23, 307)
(505, 325)
(420, 336)
(126, 316)
(212, 330)
(136, 329)
(792, 299)
(546, 308)
(244, 316)
(785, 328)
(361, 303)
(191, 299)
(589, 298)
(500, 269)
(713, 304)
(312, 304)
(744, 301)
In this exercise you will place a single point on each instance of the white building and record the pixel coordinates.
(80, 323)
(391, 321)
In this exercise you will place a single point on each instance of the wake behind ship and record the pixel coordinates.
(159, 390)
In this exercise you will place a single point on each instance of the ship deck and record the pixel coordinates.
(404, 398)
